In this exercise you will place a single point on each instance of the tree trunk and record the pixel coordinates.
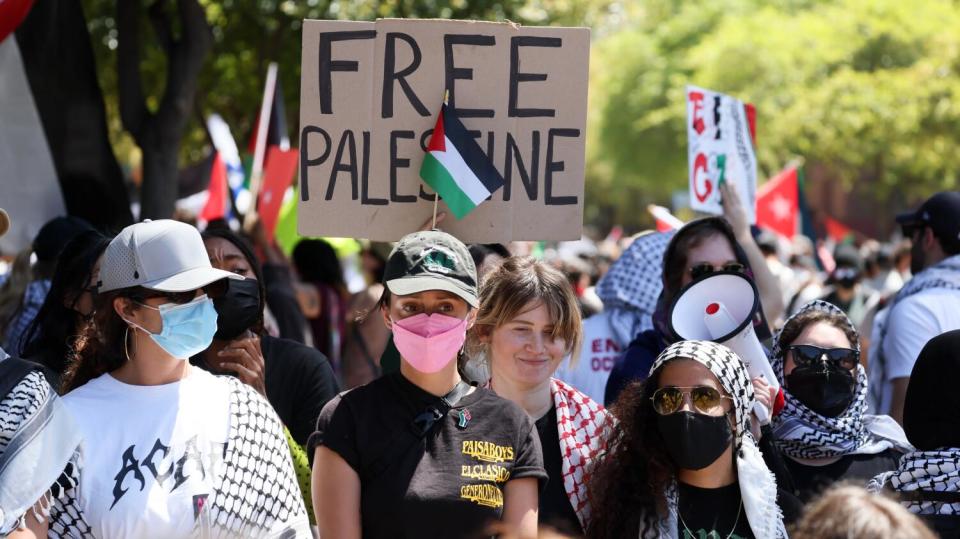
(59, 62)
(158, 134)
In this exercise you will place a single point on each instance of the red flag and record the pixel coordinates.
(837, 230)
(778, 204)
(217, 199)
(277, 176)
(12, 13)
(665, 220)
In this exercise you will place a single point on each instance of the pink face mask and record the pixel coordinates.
(429, 342)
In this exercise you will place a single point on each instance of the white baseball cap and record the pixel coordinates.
(163, 255)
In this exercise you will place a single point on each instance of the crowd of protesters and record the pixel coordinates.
(170, 380)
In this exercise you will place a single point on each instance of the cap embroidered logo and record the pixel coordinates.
(437, 261)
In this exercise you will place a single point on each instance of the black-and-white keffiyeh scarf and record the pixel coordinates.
(803, 433)
(921, 473)
(944, 275)
(630, 288)
(258, 495)
(758, 488)
(38, 441)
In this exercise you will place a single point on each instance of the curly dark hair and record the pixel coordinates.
(634, 473)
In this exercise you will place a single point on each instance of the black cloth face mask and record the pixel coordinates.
(827, 390)
(238, 309)
(694, 441)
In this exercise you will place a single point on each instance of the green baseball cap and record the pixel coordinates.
(431, 260)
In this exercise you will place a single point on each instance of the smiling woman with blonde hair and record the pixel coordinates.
(528, 322)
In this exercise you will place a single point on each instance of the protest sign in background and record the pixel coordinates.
(720, 148)
(369, 98)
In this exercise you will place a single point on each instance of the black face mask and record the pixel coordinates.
(238, 309)
(694, 440)
(827, 390)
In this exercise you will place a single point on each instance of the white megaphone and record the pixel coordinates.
(721, 307)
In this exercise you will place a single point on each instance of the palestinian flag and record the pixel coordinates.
(456, 167)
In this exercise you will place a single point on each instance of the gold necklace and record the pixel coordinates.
(735, 522)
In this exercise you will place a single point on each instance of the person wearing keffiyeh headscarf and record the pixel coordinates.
(629, 292)
(699, 248)
(823, 428)
(685, 463)
(928, 479)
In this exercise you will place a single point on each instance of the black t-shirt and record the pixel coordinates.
(716, 512)
(555, 508)
(711, 512)
(447, 484)
(811, 481)
(299, 381)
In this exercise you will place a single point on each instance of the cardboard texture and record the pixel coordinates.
(369, 98)
(720, 148)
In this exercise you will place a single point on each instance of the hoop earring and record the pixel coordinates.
(126, 343)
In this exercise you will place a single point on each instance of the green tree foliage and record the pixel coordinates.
(867, 88)
(249, 34)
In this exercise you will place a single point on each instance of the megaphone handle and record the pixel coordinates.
(762, 413)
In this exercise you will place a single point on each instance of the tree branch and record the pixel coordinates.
(160, 21)
(183, 68)
(133, 108)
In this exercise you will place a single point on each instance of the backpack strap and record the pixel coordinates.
(418, 429)
(12, 371)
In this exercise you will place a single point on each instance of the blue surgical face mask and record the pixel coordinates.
(187, 329)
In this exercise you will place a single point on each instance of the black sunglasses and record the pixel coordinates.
(808, 355)
(669, 400)
(212, 290)
(705, 268)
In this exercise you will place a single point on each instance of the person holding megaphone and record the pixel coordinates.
(824, 429)
(698, 250)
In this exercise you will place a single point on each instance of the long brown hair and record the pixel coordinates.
(692, 235)
(632, 476)
(517, 282)
(101, 345)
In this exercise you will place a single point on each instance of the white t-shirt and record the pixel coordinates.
(600, 349)
(910, 324)
(150, 455)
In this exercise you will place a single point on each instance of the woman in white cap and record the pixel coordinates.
(686, 464)
(168, 450)
(420, 453)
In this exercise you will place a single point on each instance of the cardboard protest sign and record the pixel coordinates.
(369, 99)
(720, 146)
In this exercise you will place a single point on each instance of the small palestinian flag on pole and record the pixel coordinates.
(456, 167)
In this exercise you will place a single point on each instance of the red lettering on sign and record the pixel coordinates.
(700, 164)
(611, 346)
(697, 99)
(595, 346)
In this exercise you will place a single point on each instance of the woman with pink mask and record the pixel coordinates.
(420, 453)
(527, 323)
